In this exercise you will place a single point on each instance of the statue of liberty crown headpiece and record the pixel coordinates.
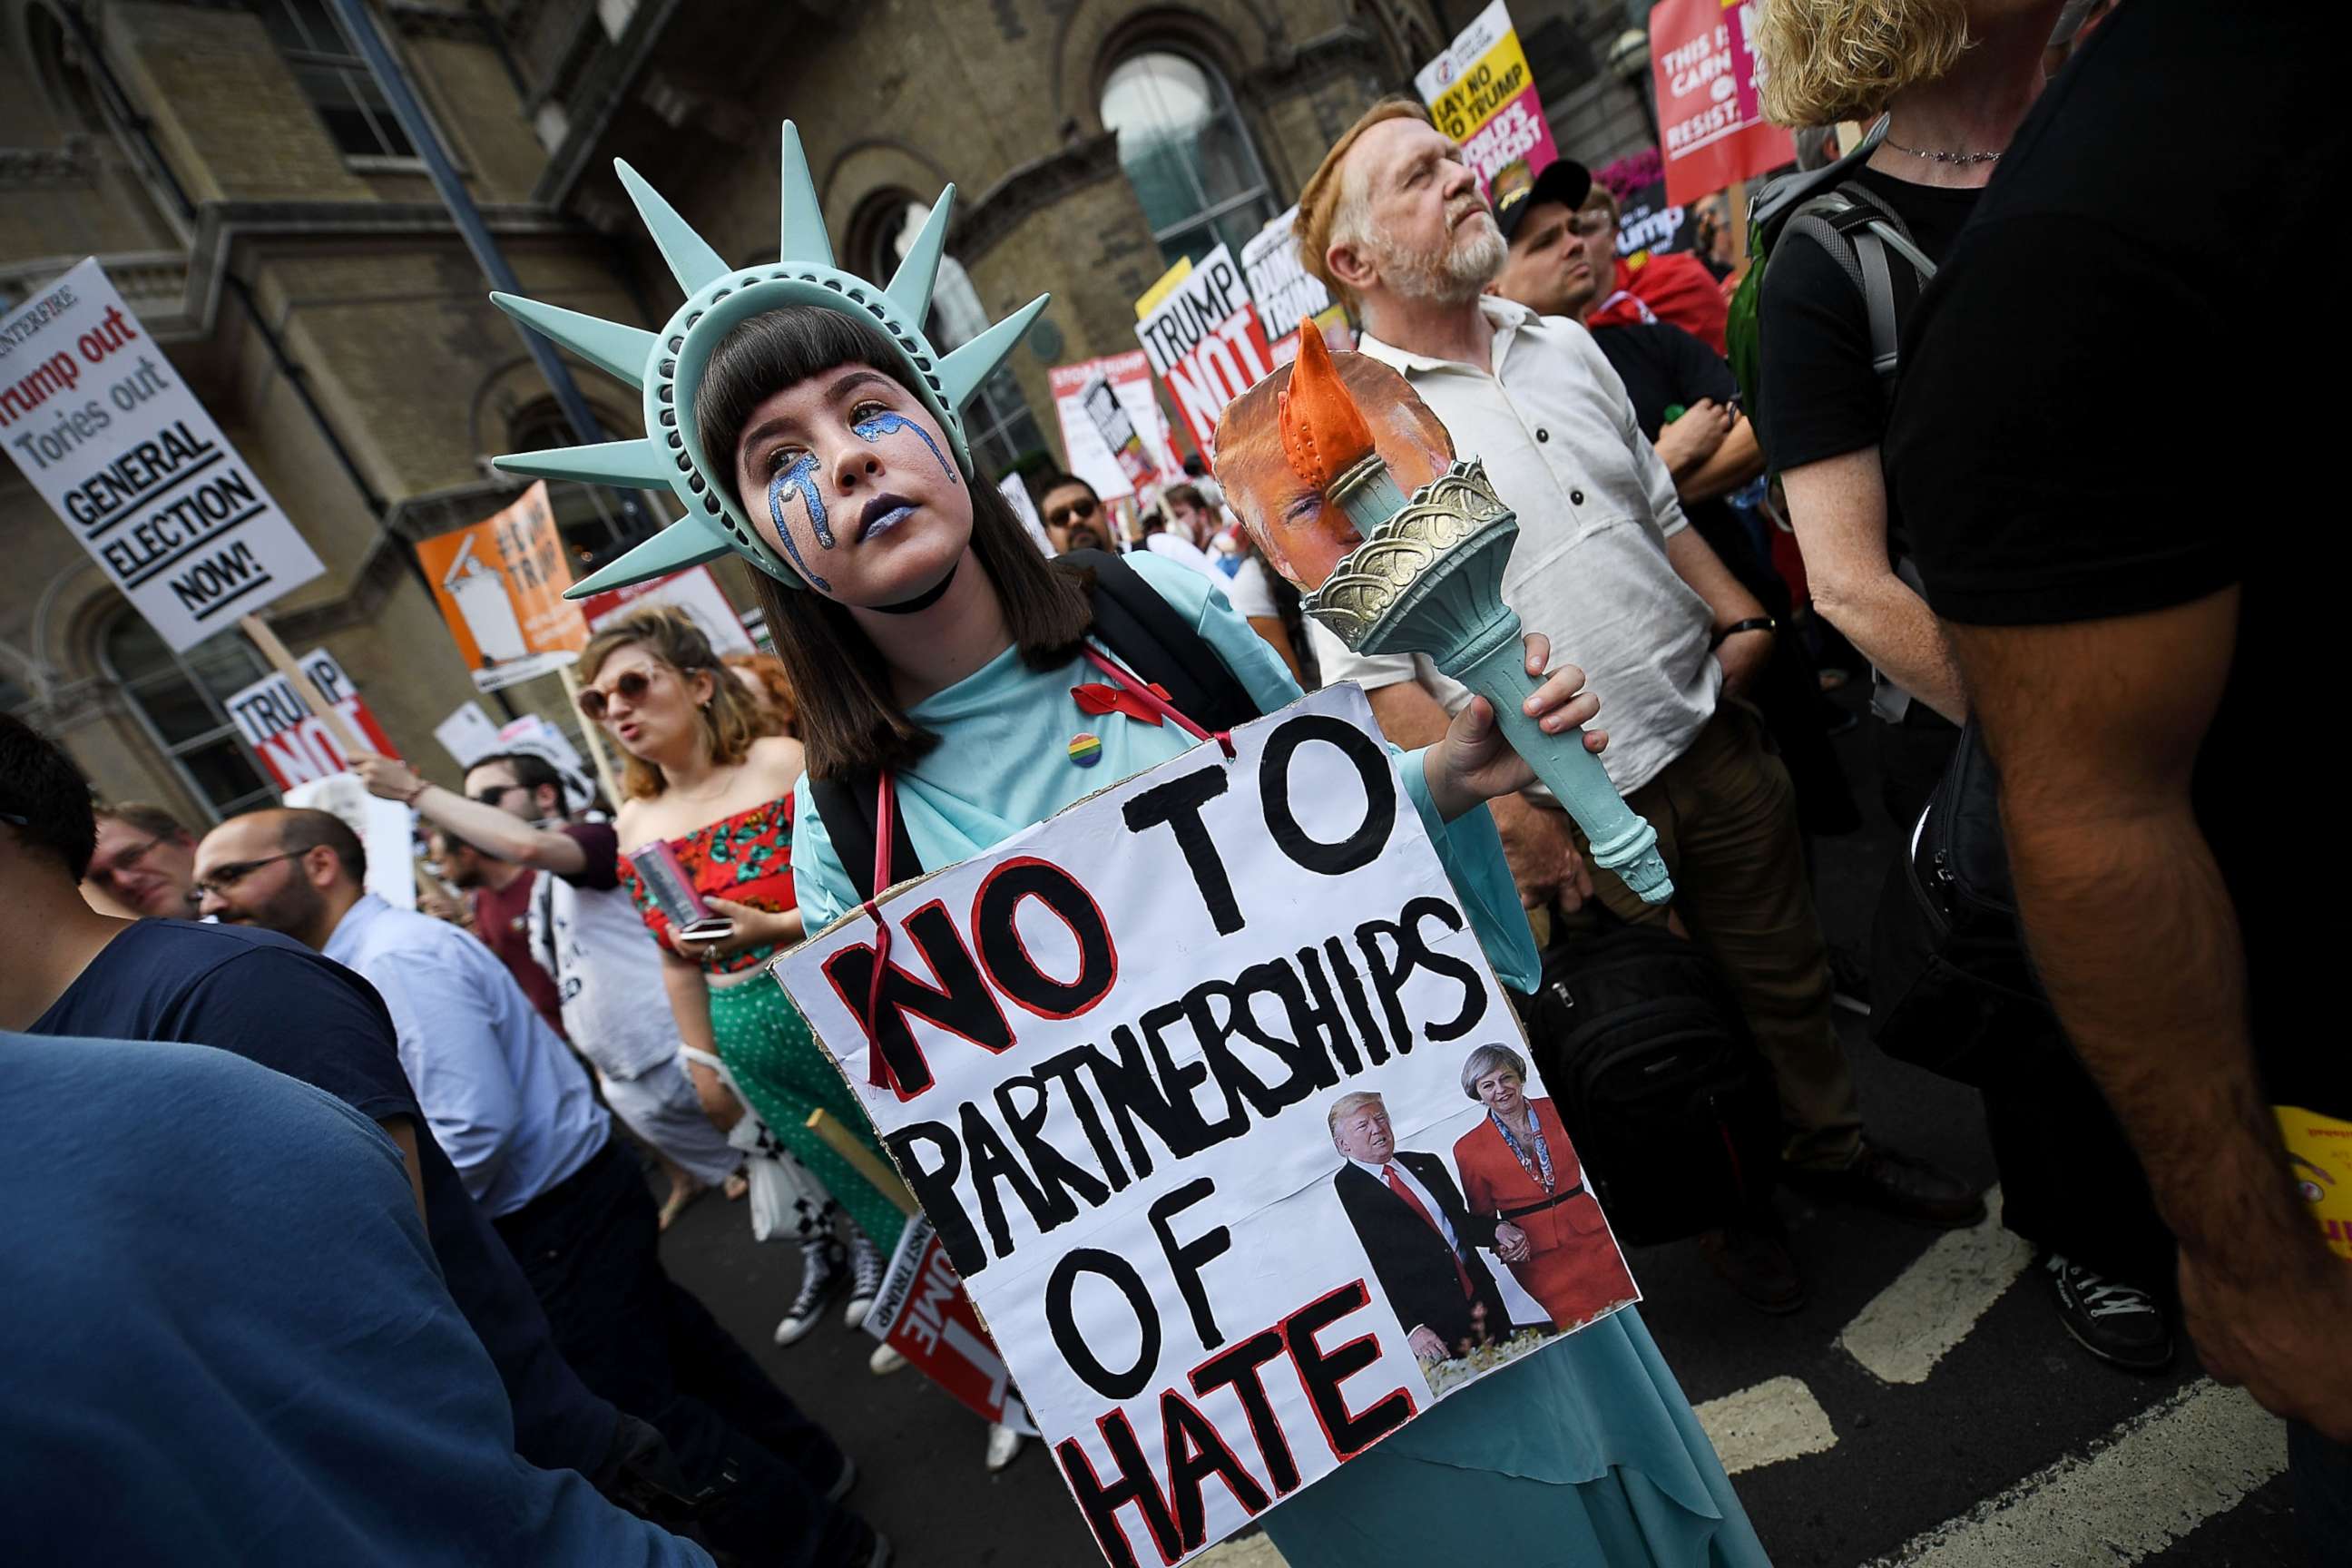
(667, 365)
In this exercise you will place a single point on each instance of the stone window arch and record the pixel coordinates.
(1187, 153)
(179, 699)
(1003, 432)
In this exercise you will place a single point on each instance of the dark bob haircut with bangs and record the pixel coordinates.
(851, 723)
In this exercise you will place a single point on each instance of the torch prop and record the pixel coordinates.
(1426, 577)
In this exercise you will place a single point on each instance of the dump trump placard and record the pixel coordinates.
(98, 419)
(1208, 1090)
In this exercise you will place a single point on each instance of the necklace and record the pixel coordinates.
(1937, 155)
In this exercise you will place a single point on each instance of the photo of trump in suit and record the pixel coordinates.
(1421, 1240)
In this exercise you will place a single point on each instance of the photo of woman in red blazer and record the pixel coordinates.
(1518, 1167)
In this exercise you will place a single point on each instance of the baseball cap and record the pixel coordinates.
(1563, 180)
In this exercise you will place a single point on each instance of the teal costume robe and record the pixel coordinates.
(1585, 1453)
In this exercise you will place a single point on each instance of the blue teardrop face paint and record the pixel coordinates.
(800, 478)
(881, 425)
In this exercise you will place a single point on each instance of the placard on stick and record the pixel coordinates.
(119, 445)
(1117, 1059)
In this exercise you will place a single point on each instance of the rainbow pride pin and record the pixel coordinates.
(1086, 750)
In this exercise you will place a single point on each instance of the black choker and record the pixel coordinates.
(924, 599)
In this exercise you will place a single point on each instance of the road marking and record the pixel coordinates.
(1914, 1322)
(1778, 1419)
(2157, 1476)
(1255, 1552)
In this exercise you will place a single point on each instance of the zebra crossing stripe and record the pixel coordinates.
(1931, 1306)
(1777, 1419)
(2147, 1484)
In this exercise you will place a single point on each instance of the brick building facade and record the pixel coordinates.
(236, 169)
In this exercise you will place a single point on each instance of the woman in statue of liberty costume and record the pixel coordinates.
(803, 419)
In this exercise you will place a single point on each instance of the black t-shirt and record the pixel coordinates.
(1820, 397)
(2090, 395)
(1662, 365)
(268, 998)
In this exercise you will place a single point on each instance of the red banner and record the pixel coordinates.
(293, 742)
(1207, 344)
(923, 1313)
(1710, 113)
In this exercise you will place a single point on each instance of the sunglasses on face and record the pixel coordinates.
(631, 684)
(493, 794)
(1074, 512)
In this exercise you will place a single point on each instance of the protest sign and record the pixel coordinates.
(468, 734)
(1710, 111)
(1015, 492)
(1480, 92)
(101, 423)
(921, 1312)
(1128, 376)
(534, 734)
(1116, 1058)
(1646, 220)
(695, 590)
(1284, 290)
(1206, 343)
(500, 585)
(387, 831)
(295, 744)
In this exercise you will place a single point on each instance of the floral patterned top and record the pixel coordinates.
(747, 858)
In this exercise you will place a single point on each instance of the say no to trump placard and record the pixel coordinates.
(1179, 1077)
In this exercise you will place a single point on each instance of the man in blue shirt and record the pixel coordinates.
(73, 972)
(226, 1340)
(504, 1097)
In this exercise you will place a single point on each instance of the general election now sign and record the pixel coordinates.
(99, 422)
(1177, 1076)
(1207, 344)
(295, 744)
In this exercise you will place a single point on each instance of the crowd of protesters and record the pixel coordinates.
(470, 1343)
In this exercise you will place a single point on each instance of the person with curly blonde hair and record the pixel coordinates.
(1954, 79)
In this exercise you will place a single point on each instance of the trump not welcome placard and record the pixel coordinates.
(1209, 1093)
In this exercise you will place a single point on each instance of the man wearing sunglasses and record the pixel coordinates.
(1074, 519)
(145, 861)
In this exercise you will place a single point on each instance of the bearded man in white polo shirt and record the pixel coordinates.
(1607, 567)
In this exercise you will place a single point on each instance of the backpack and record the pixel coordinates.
(1649, 1060)
(1858, 230)
(1141, 630)
(1953, 989)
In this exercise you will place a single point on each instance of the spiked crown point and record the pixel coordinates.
(668, 366)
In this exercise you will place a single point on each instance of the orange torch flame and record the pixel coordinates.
(1323, 432)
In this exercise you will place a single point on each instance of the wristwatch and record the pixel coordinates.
(1752, 624)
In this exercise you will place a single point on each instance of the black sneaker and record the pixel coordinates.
(821, 1275)
(2115, 1321)
(867, 1267)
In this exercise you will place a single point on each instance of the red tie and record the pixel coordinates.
(1396, 1185)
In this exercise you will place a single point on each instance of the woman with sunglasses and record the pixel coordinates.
(942, 665)
(705, 776)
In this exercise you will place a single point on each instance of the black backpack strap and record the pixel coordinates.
(846, 806)
(1148, 636)
(1858, 231)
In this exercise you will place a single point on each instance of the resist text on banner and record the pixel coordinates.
(500, 587)
(99, 422)
(1178, 1075)
(1710, 107)
(294, 743)
(1481, 93)
(1206, 343)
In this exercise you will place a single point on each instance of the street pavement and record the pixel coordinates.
(1924, 1410)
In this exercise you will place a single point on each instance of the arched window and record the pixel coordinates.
(1187, 153)
(1002, 431)
(179, 698)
